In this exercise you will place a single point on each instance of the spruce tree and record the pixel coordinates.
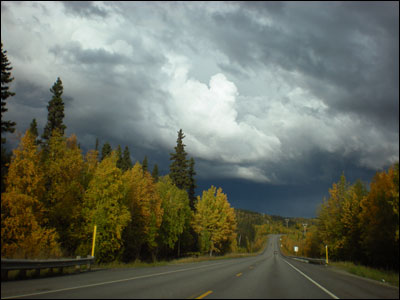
(106, 150)
(179, 165)
(192, 184)
(154, 174)
(97, 145)
(126, 160)
(6, 126)
(55, 111)
(119, 157)
(33, 128)
(145, 164)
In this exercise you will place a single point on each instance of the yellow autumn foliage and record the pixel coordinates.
(103, 206)
(214, 221)
(64, 190)
(380, 219)
(144, 204)
(360, 225)
(23, 234)
(177, 213)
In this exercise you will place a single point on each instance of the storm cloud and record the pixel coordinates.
(270, 94)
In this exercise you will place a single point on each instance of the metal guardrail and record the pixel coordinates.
(319, 261)
(38, 264)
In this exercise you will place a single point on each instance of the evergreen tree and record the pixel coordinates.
(119, 157)
(126, 160)
(192, 184)
(33, 128)
(106, 150)
(145, 164)
(6, 126)
(154, 174)
(34, 131)
(179, 165)
(5, 160)
(97, 145)
(55, 111)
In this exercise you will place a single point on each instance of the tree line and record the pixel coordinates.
(358, 223)
(53, 195)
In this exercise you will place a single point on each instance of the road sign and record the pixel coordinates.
(296, 249)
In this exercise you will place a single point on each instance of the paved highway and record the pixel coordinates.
(267, 275)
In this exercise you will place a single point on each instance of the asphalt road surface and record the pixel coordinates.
(268, 275)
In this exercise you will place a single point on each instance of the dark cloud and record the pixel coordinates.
(84, 9)
(73, 53)
(276, 99)
(269, 7)
(329, 51)
(353, 51)
(31, 94)
(283, 200)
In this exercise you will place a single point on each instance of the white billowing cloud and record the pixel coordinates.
(208, 116)
(149, 70)
(246, 133)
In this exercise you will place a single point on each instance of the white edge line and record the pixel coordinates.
(108, 282)
(316, 283)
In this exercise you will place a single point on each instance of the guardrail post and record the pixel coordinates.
(88, 265)
(78, 267)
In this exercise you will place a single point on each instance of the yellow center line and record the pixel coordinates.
(204, 295)
(239, 274)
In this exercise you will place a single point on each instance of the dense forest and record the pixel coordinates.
(357, 223)
(53, 195)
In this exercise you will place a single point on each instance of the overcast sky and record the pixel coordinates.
(276, 99)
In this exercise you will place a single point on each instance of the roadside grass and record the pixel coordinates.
(389, 277)
(183, 260)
